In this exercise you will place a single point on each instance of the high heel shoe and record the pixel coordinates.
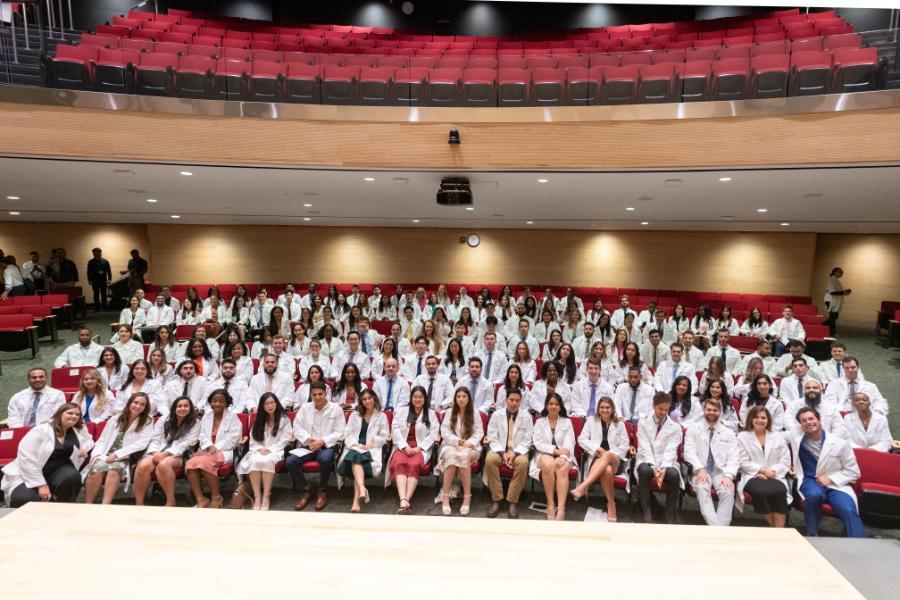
(551, 513)
(611, 516)
(265, 503)
(364, 497)
(445, 504)
(464, 509)
(216, 502)
(576, 496)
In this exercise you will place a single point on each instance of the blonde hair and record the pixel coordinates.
(99, 396)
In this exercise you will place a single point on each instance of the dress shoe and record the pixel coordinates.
(321, 500)
(670, 516)
(648, 516)
(513, 510)
(303, 501)
(493, 510)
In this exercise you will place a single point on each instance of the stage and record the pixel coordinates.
(153, 552)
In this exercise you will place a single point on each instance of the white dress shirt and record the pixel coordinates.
(579, 400)
(399, 392)
(732, 357)
(197, 392)
(160, 315)
(617, 320)
(643, 401)
(281, 384)
(484, 392)
(668, 371)
(784, 330)
(499, 364)
(662, 353)
(442, 390)
(19, 408)
(362, 362)
(77, 355)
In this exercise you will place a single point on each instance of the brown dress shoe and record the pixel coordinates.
(321, 500)
(493, 510)
(303, 501)
(513, 510)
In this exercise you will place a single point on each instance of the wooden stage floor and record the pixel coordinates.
(127, 552)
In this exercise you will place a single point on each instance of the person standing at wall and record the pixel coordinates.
(834, 298)
(137, 268)
(33, 269)
(99, 275)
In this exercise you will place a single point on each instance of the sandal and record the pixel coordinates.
(364, 497)
(404, 508)
(464, 509)
(445, 504)
(202, 502)
(216, 502)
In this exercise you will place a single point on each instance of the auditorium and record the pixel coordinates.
(451, 281)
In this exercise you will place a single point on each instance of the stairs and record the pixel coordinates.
(27, 71)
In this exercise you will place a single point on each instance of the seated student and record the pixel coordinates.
(826, 469)
(238, 316)
(509, 435)
(413, 433)
(36, 403)
(692, 354)
(480, 389)
(220, 434)
(677, 324)
(716, 391)
(92, 398)
(198, 352)
(133, 316)
(710, 448)
(566, 358)
(657, 457)
(646, 316)
(633, 397)
(763, 354)
(523, 335)
(353, 354)
(727, 321)
(298, 345)
(585, 393)
(832, 422)
(722, 349)
(654, 349)
(112, 369)
(128, 434)
(834, 367)
(545, 327)
(173, 436)
(439, 387)
(188, 384)
(86, 353)
(616, 349)
(573, 328)
(236, 387)
(47, 460)
(604, 330)
(365, 435)
(315, 357)
(674, 367)
(388, 350)
(658, 323)
(303, 394)
(686, 408)
(139, 380)
(791, 387)
(260, 313)
(414, 364)
(765, 461)
(165, 341)
(865, 427)
(550, 381)
(393, 388)
(238, 353)
(842, 390)
(461, 435)
(632, 329)
(715, 371)
(513, 381)
(128, 348)
(202, 333)
(761, 393)
(270, 379)
(607, 367)
(269, 436)
(436, 342)
(631, 358)
(786, 329)
(280, 325)
(454, 363)
(522, 359)
(384, 311)
(348, 387)
(604, 440)
(581, 345)
(286, 362)
(618, 316)
(262, 346)
(158, 315)
(318, 427)
(554, 456)
(552, 346)
(755, 325)
(160, 369)
(189, 314)
(703, 326)
(742, 387)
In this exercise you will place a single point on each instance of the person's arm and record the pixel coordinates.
(30, 459)
(884, 440)
(690, 451)
(136, 441)
(493, 435)
(336, 430)
(849, 469)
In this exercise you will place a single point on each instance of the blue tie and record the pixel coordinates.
(260, 315)
(487, 370)
(838, 365)
(365, 346)
(593, 403)
(674, 371)
(390, 394)
(472, 389)
(32, 417)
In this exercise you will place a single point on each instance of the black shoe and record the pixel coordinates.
(493, 510)
(513, 510)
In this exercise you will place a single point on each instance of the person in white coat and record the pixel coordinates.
(554, 456)
(414, 431)
(461, 434)
(604, 440)
(841, 390)
(393, 388)
(139, 381)
(364, 437)
(270, 434)
(36, 403)
(86, 353)
(315, 357)
(796, 348)
(657, 457)
(832, 422)
(654, 350)
(480, 389)
(826, 469)
(634, 398)
(765, 461)
(686, 408)
(509, 434)
(220, 434)
(493, 361)
(123, 437)
(48, 460)
(173, 436)
(785, 329)
(353, 354)
(133, 316)
(867, 428)
(618, 316)
(673, 368)
(792, 386)
(730, 355)
(586, 393)
(270, 379)
(440, 387)
(234, 385)
(834, 367)
(711, 450)
(762, 394)
(187, 383)
(95, 401)
(112, 369)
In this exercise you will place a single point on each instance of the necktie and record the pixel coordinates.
(799, 388)
(852, 391)
(510, 422)
(710, 459)
(260, 320)
(419, 367)
(390, 394)
(289, 311)
(723, 358)
(32, 418)
(185, 391)
(487, 370)
(674, 371)
(838, 365)
(453, 372)
(659, 426)
(472, 388)
(430, 387)
(592, 405)
(365, 343)
(655, 350)
(634, 392)
(227, 383)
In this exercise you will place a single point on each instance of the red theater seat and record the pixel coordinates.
(810, 73)
(855, 70)
(479, 87)
(302, 83)
(512, 86)
(619, 85)
(583, 86)
(194, 77)
(18, 332)
(443, 86)
(266, 81)
(769, 75)
(547, 86)
(154, 75)
(730, 79)
(375, 85)
(112, 71)
(695, 80)
(409, 87)
(72, 67)
(657, 83)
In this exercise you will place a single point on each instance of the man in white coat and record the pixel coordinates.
(730, 355)
(391, 389)
(438, 385)
(826, 468)
(270, 379)
(657, 457)
(236, 387)
(711, 450)
(841, 390)
(353, 353)
(414, 364)
(829, 415)
(654, 351)
(509, 438)
(785, 329)
(523, 335)
(86, 353)
(670, 370)
(586, 393)
(158, 315)
(35, 404)
(792, 386)
(633, 397)
(618, 317)
(796, 349)
(187, 384)
(692, 354)
(582, 344)
(481, 389)
(833, 368)
(493, 360)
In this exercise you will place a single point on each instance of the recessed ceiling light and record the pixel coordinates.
(15, 213)
(762, 210)
(785, 224)
(307, 219)
(368, 179)
(12, 197)
(470, 208)
(645, 222)
(543, 180)
(415, 220)
(176, 216)
(529, 222)
(307, 205)
(630, 208)
(186, 173)
(152, 200)
(724, 179)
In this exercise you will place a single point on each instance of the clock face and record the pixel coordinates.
(407, 8)
(473, 240)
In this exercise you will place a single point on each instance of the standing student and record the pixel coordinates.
(269, 435)
(657, 457)
(364, 437)
(123, 437)
(509, 435)
(220, 434)
(554, 457)
(461, 435)
(413, 433)
(172, 438)
(13, 279)
(136, 269)
(47, 460)
(604, 440)
(834, 298)
(765, 462)
(99, 275)
(711, 450)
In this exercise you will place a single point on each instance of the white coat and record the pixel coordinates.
(660, 451)
(425, 435)
(133, 442)
(838, 392)
(115, 380)
(836, 461)
(227, 437)
(441, 391)
(282, 387)
(579, 399)
(832, 422)
(643, 405)
(275, 444)
(77, 355)
(546, 441)
(452, 435)
(95, 414)
(130, 351)
(776, 457)
(33, 453)
(724, 448)
(377, 434)
(775, 408)
(592, 436)
(498, 431)
(152, 387)
(19, 407)
(876, 437)
(537, 397)
(662, 379)
(330, 426)
(399, 391)
(174, 389)
(178, 446)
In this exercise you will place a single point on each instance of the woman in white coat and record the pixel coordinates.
(129, 434)
(686, 408)
(92, 397)
(139, 381)
(220, 434)
(315, 357)
(47, 460)
(461, 433)
(172, 437)
(765, 461)
(160, 369)
(112, 370)
(124, 343)
(604, 440)
(761, 394)
(132, 315)
(554, 457)
(270, 434)
(364, 437)
(413, 433)
(866, 428)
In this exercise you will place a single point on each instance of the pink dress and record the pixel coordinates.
(207, 462)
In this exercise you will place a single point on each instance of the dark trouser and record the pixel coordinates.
(325, 458)
(64, 482)
(831, 321)
(645, 478)
(769, 496)
(815, 494)
(779, 349)
(19, 290)
(99, 289)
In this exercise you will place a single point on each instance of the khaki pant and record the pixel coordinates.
(492, 463)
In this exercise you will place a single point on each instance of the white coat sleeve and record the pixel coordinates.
(849, 468)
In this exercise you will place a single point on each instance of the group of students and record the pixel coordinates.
(304, 342)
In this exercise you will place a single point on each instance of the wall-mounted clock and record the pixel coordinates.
(473, 239)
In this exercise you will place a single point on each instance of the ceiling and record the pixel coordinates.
(834, 199)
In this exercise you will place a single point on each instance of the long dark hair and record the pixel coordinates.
(753, 397)
(130, 377)
(685, 403)
(259, 425)
(360, 409)
(568, 370)
(394, 353)
(623, 362)
(342, 381)
(118, 361)
(468, 416)
(562, 405)
(273, 327)
(188, 349)
(143, 418)
(172, 429)
(507, 383)
(449, 357)
(726, 401)
(426, 408)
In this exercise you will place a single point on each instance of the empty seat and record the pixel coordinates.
(855, 70)
(301, 83)
(770, 48)
(235, 54)
(202, 50)
(266, 81)
(512, 86)
(452, 62)
(339, 84)
(605, 60)
(139, 45)
(443, 86)
(833, 42)
(657, 83)
(668, 57)
(233, 43)
(71, 68)
(375, 85)
(178, 38)
(427, 62)
(637, 58)
(694, 80)
(547, 86)
(730, 78)
(583, 85)
(194, 77)
(769, 75)
(207, 40)
(153, 76)
(170, 48)
(229, 79)
(734, 52)
(267, 55)
(540, 62)
(113, 71)
(478, 87)
(564, 62)
(810, 73)
(807, 44)
(409, 87)
(512, 62)
(101, 41)
(482, 62)
(361, 60)
(619, 85)
(692, 54)
(300, 58)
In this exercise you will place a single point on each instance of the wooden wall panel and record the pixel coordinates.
(871, 264)
(864, 136)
